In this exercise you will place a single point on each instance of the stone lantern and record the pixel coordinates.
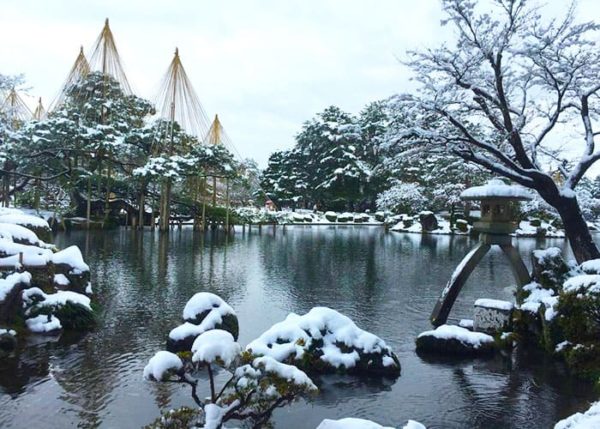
(498, 220)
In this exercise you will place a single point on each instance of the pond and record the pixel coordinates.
(386, 282)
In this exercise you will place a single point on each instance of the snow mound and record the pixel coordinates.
(71, 256)
(7, 284)
(16, 232)
(61, 280)
(448, 332)
(588, 420)
(206, 302)
(325, 340)
(591, 267)
(215, 346)
(589, 283)
(24, 220)
(43, 323)
(161, 364)
(203, 312)
(454, 340)
(496, 188)
(354, 423)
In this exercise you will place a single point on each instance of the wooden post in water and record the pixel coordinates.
(89, 202)
(227, 205)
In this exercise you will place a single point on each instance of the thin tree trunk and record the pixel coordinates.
(141, 212)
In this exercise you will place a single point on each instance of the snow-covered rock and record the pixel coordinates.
(587, 420)
(203, 312)
(492, 315)
(324, 340)
(161, 365)
(448, 339)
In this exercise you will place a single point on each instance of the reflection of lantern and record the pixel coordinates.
(498, 220)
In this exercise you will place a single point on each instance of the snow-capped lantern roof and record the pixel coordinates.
(496, 189)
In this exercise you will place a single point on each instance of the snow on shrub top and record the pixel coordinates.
(7, 284)
(215, 346)
(550, 253)
(160, 364)
(538, 296)
(583, 283)
(249, 375)
(9, 248)
(71, 256)
(206, 301)
(496, 188)
(295, 334)
(451, 332)
(591, 266)
(24, 219)
(36, 296)
(287, 372)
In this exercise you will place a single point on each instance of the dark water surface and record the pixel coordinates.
(387, 283)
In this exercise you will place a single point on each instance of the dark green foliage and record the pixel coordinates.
(72, 316)
(549, 268)
(179, 418)
(580, 317)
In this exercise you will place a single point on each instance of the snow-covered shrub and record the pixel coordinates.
(324, 340)
(402, 198)
(537, 208)
(71, 310)
(590, 206)
(204, 311)
(454, 340)
(257, 385)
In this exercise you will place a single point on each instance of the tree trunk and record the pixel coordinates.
(576, 229)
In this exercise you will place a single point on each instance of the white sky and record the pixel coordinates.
(265, 66)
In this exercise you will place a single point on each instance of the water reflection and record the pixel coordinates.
(387, 283)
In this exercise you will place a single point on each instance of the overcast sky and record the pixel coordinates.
(265, 66)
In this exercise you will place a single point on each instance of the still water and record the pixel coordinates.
(386, 282)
